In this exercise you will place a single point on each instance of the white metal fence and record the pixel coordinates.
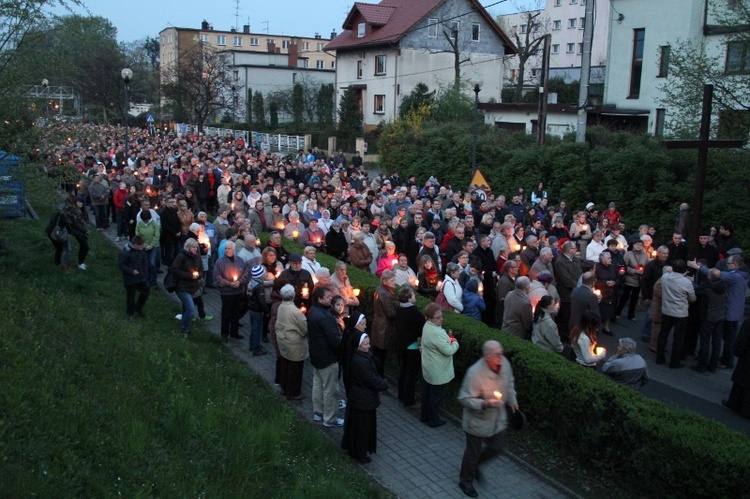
(276, 142)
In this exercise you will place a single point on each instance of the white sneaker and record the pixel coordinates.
(317, 417)
(82, 266)
(342, 404)
(117, 239)
(339, 422)
(178, 317)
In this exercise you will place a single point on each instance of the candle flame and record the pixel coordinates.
(356, 291)
(498, 395)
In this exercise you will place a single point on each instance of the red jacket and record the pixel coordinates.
(119, 198)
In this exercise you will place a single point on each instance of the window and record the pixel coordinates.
(238, 41)
(580, 48)
(557, 24)
(455, 26)
(534, 72)
(379, 65)
(524, 28)
(573, 2)
(333, 64)
(738, 58)
(558, 3)
(270, 41)
(254, 42)
(571, 48)
(379, 104)
(221, 40)
(474, 32)
(537, 28)
(305, 63)
(664, 61)
(555, 48)
(236, 75)
(432, 27)
(583, 23)
(204, 38)
(361, 30)
(305, 46)
(661, 115)
(321, 46)
(572, 23)
(285, 44)
(320, 64)
(360, 65)
(636, 67)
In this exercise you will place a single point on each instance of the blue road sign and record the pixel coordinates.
(150, 118)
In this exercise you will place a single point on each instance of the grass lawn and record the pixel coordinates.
(92, 404)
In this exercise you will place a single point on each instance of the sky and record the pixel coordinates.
(137, 19)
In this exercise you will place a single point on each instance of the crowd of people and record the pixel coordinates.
(546, 273)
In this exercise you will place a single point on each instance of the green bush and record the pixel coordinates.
(656, 449)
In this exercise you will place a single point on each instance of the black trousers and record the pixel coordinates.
(380, 354)
(290, 376)
(667, 323)
(629, 293)
(232, 308)
(130, 291)
(476, 453)
(410, 361)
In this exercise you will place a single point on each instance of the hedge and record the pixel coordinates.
(657, 449)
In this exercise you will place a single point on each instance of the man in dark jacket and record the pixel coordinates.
(582, 299)
(133, 264)
(712, 296)
(170, 231)
(300, 279)
(567, 271)
(324, 342)
(485, 255)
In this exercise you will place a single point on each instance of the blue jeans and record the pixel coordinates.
(256, 330)
(188, 308)
(730, 335)
(100, 215)
(154, 256)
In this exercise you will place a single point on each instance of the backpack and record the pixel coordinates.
(170, 281)
(256, 296)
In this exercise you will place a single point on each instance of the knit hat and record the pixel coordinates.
(258, 272)
(294, 257)
(471, 285)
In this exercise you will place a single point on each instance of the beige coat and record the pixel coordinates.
(291, 332)
(480, 384)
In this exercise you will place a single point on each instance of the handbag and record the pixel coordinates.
(59, 234)
(442, 301)
(170, 281)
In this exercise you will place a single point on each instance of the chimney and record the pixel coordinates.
(292, 53)
(210, 27)
(204, 25)
(271, 47)
(233, 30)
(317, 36)
(246, 28)
(333, 34)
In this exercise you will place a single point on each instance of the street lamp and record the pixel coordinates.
(127, 75)
(45, 85)
(477, 89)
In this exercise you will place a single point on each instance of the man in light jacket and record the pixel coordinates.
(677, 294)
(487, 389)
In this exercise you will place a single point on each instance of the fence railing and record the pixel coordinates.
(275, 141)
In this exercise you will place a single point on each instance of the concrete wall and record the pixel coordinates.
(558, 124)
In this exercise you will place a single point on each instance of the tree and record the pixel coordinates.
(419, 97)
(142, 56)
(528, 42)
(325, 106)
(273, 111)
(198, 83)
(298, 104)
(350, 118)
(259, 110)
(691, 64)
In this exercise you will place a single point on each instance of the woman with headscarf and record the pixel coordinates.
(362, 383)
(291, 335)
(336, 244)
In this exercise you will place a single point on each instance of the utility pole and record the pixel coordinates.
(541, 123)
(583, 92)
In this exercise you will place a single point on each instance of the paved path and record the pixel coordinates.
(413, 460)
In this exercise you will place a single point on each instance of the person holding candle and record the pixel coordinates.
(324, 345)
(583, 340)
(336, 244)
(274, 241)
(257, 308)
(472, 300)
(309, 262)
(383, 330)
(635, 262)
(294, 229)
(544, 331)
(405, 276)
(291, 337)
(188, 268)
(301, 279)
(438, 348)
(363, 384)
(409, 324)
(486, 392)
(606, 284)
(231, 276)
(567, 271)
(359, 253)
(133, 263)
(314, 236)
(387, 259)
(580, 232)
(340, 285)
(427, 278)
(452, 290)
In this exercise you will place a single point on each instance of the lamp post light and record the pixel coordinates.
(45, 85)
(477, 89)
(127, 75)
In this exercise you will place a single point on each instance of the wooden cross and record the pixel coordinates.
(703, 144)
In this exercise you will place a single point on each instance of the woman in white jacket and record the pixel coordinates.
(451, 288)
(583, 340)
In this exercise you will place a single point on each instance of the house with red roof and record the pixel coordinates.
(386, 49)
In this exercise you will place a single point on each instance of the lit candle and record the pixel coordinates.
(317, 240)
(280, 225)
(439, 285)
(498, 395)
(257, 241)
(653, 253)
(303, 309)
(355, 291)
(305, 291)
(598, 293)
(394, 262)
(295, 234)
(481, 288)
(195, 273)
(315, 280)
(232, 206)
(234, 278)
(621, 270)
(415, 282)
(585, 228)
(599, 350)
(640, 267)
